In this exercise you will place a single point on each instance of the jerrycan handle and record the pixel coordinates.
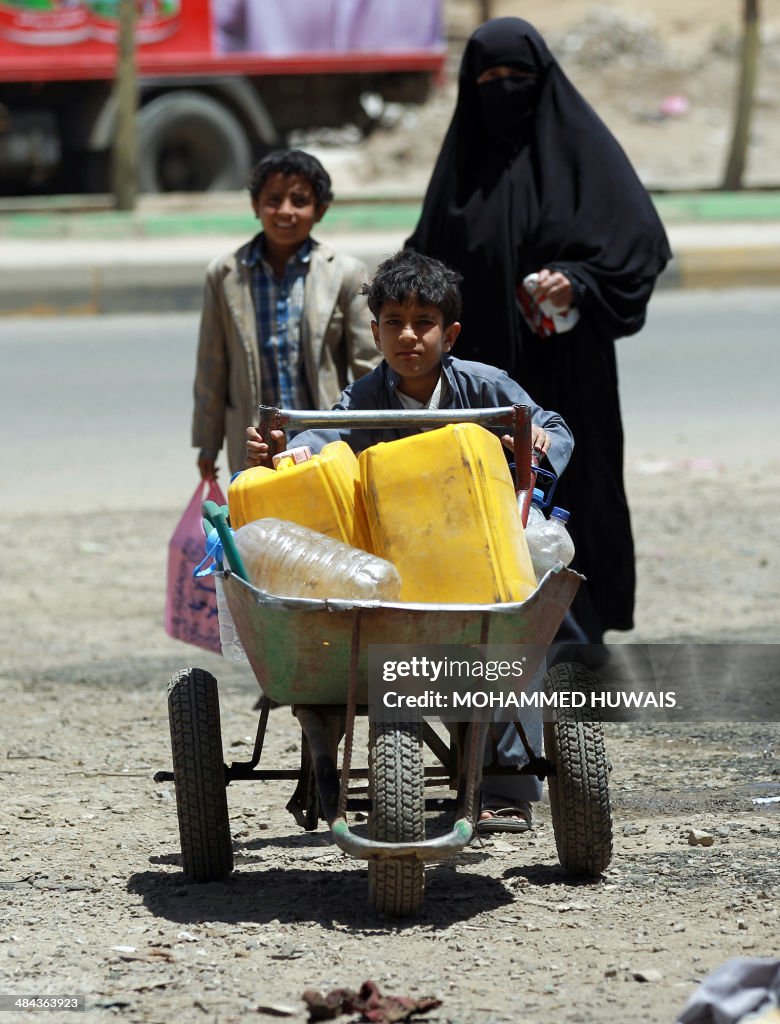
(549, 492)
(525, 495)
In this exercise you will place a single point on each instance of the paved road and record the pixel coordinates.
(96, 409)
(700, 381)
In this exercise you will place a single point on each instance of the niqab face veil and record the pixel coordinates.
(505, 106)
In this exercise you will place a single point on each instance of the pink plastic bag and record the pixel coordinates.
(190, 603)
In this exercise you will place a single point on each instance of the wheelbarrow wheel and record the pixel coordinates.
(199, 775)
(397, 791)
(579, 789)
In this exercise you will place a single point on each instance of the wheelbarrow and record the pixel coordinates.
(312, 656)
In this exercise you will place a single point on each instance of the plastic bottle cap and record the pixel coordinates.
(538, 495)
(560, 513)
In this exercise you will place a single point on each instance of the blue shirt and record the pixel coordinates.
(279, 312)
(470, 385)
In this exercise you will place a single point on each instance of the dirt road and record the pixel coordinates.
(94, 900)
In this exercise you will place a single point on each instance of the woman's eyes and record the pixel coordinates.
(503, 72)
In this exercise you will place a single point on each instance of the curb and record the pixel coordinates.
(727, 267)
(164, 287)
(167, 288)
(86, 218)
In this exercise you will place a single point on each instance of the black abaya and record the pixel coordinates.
(550, 188)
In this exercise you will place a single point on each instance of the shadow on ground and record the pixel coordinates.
(330, 898)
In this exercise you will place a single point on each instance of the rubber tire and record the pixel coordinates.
(579, 791)
(190, 142)
(199, 776)
(397, 790)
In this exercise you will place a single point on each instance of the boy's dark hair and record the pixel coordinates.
(289, 162)
(408, 276)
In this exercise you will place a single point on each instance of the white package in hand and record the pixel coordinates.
(543, 317)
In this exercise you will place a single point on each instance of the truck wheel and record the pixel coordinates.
(396, 787)
(579, 790)
(199, 776)
(189, 142)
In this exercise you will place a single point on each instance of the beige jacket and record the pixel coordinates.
(337, 344)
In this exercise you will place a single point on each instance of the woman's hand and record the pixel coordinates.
(555, 286)
(260, 452)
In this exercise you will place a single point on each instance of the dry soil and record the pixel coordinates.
(94, 900)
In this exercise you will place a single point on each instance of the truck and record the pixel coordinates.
(220, 82)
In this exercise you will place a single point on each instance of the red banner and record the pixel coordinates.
(50, 39)
(59, 40)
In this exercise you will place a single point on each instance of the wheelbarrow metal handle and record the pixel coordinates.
(276, 419)
(518, 417)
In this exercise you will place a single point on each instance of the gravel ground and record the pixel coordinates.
(93, 894)
(94, 899)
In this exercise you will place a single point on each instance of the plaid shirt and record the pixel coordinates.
(279, 311)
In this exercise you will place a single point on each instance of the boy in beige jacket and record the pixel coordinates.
(283, 321)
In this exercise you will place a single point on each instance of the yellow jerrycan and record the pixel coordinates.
(319, 493)
(441, 507)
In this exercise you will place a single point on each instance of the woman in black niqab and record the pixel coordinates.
(530, 179)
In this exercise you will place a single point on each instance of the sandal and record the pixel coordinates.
(497, 816)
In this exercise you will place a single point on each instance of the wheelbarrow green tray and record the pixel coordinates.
(301, 649)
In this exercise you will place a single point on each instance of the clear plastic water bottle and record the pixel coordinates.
(232, 648)
(549, 542)
(293, 561)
